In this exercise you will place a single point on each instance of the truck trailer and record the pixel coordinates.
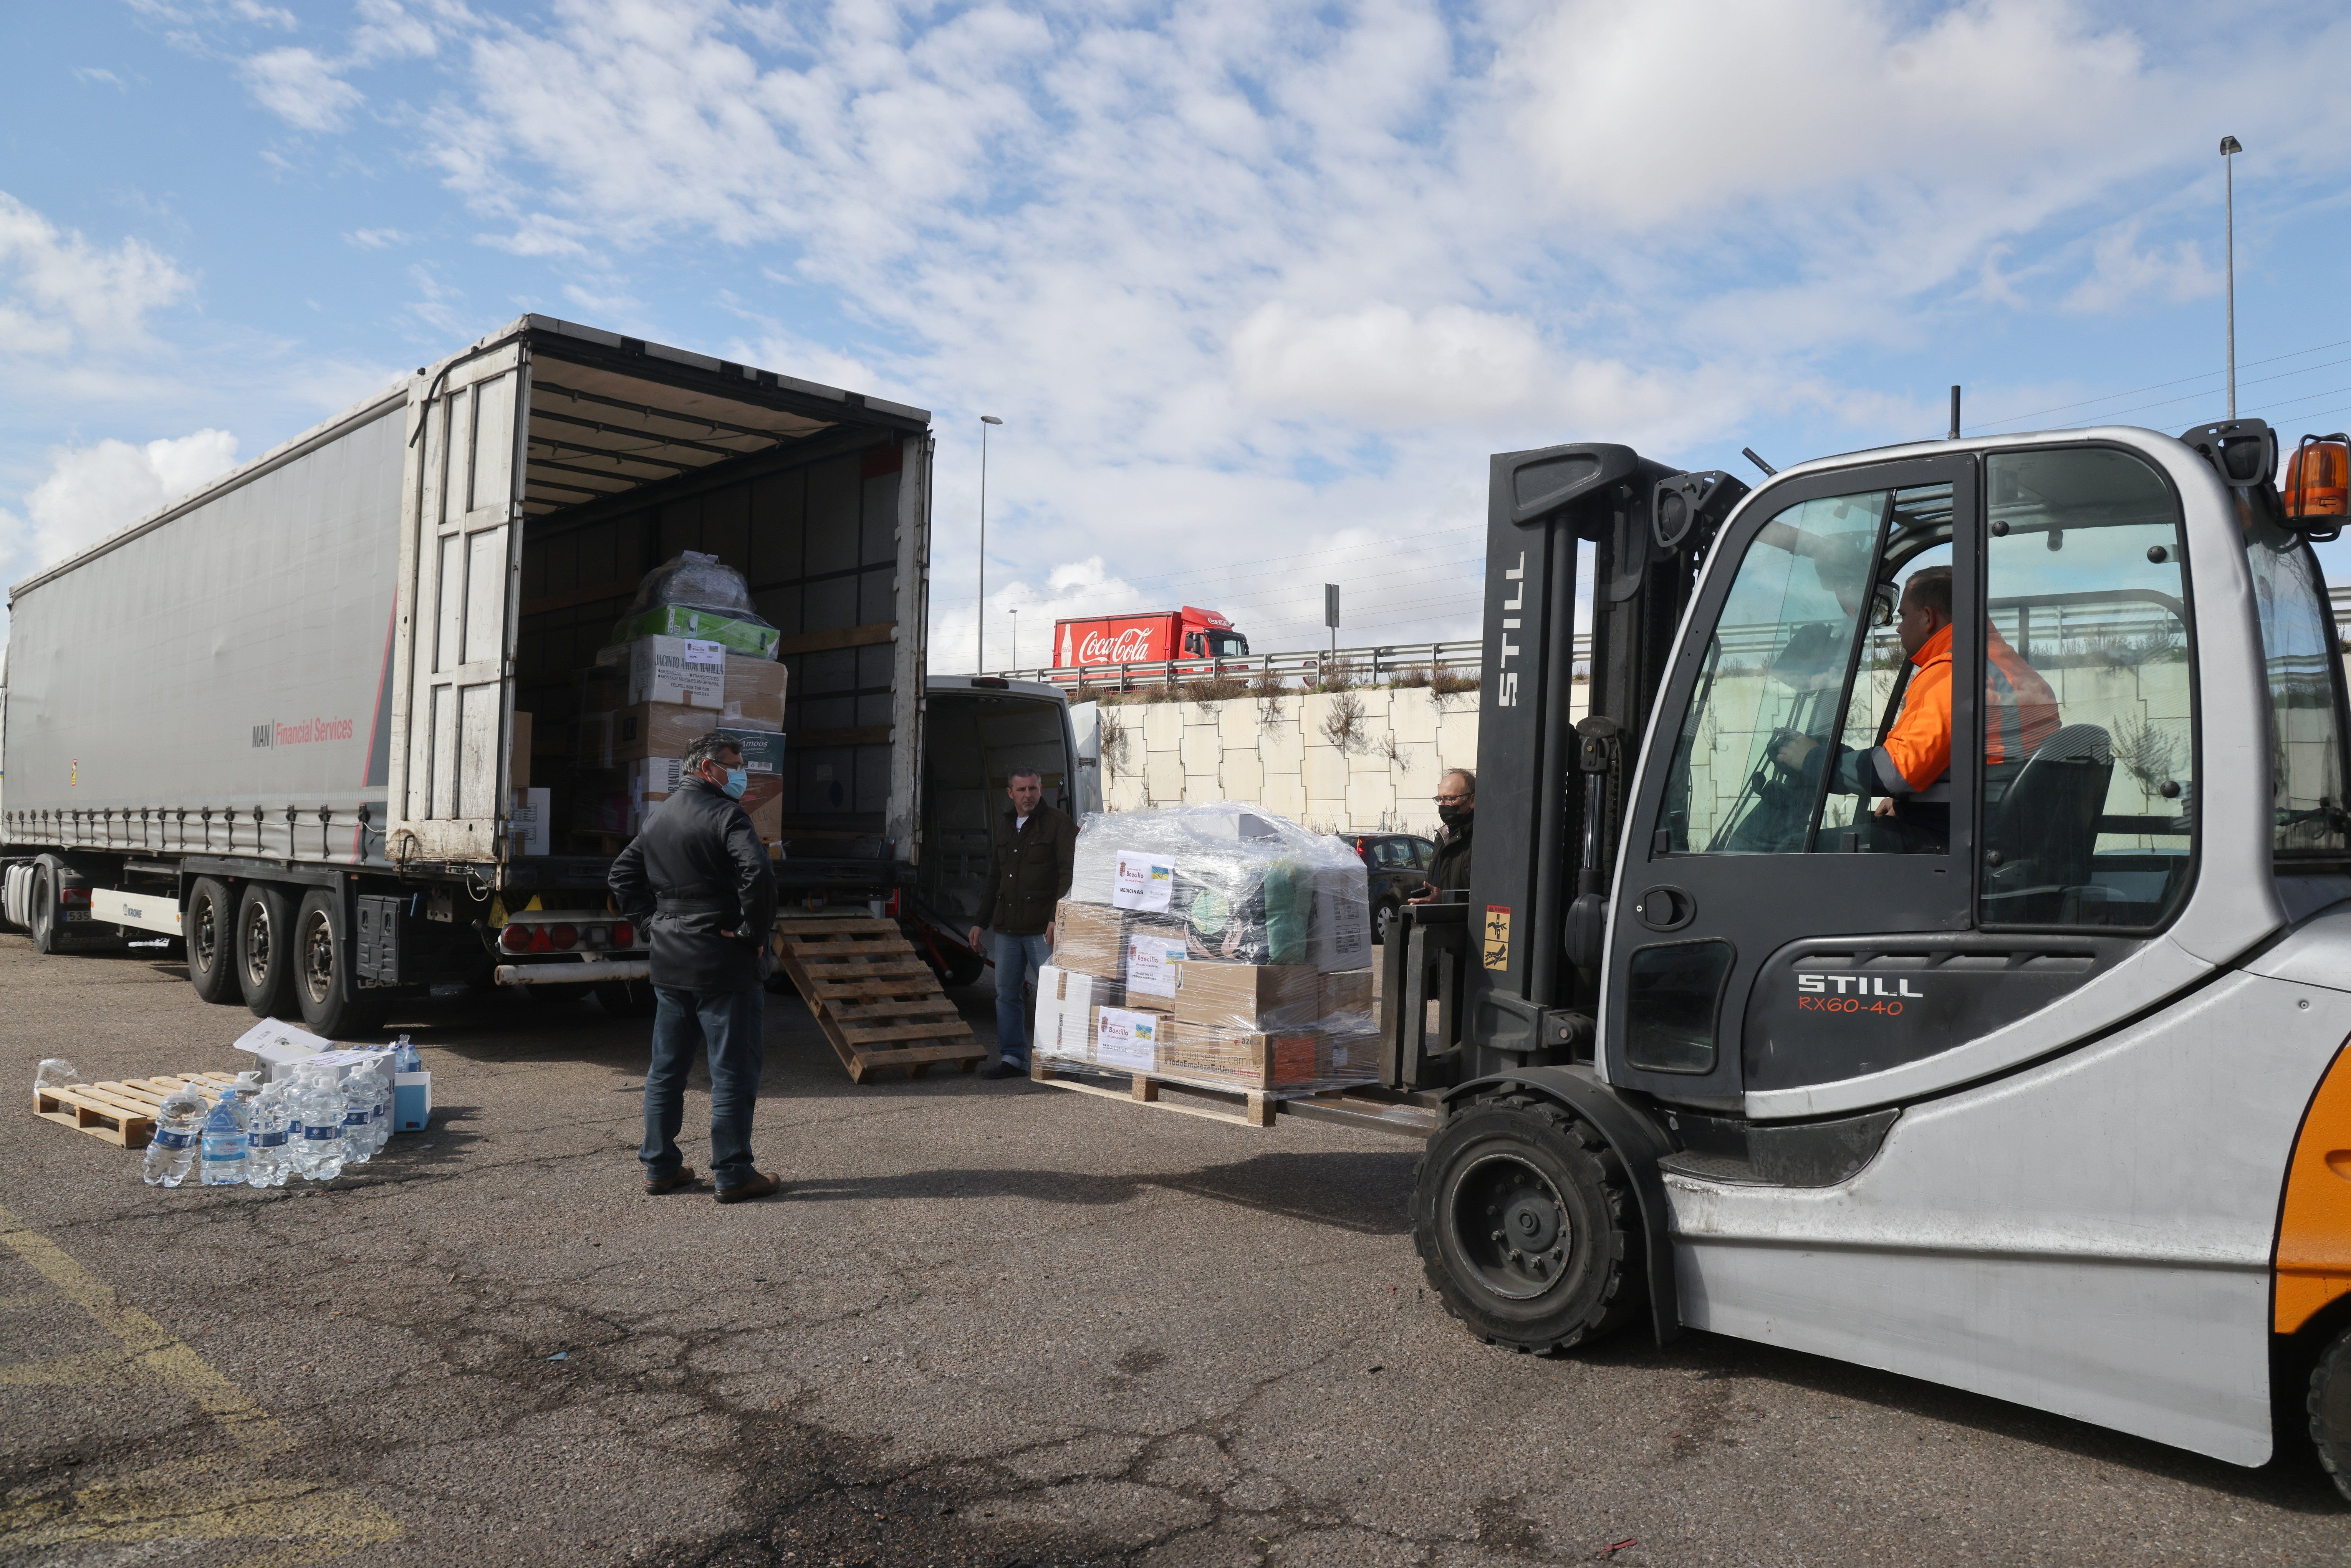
(292, 720)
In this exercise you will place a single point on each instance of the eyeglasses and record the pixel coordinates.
(1451, 799)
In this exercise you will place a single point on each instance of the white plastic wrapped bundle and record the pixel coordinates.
(1216, 945)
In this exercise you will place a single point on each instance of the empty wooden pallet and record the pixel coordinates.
(120, 1113)
(874, 997)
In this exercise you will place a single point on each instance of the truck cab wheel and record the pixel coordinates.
(1524, 1222)
(210, 924)
(264, 949)
(321, 955)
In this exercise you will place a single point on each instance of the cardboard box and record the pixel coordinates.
(754, 693)
(675, 621)
(1247, 997)
(666, 729)
(518, 756)
(529, 824)
(690, 671)
(1154, 948)
(1349, 995)
(412, 1102)
(1127, 1038)
(1067, 1002)
(1090, 939)
(1242, 1059)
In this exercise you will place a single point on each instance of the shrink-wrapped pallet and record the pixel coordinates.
(1239, 945)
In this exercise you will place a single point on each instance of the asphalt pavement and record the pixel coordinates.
(990, 1322)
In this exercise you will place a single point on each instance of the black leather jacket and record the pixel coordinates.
(1033, 868)
(697, 870)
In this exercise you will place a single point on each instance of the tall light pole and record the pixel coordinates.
(2230, 148)
(980, 666)
(1016, 637)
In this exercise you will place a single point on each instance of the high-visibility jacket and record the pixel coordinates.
(2020, 711)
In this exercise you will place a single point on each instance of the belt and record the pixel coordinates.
(694, 904)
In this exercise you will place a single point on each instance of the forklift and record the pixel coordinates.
(2030, 1080)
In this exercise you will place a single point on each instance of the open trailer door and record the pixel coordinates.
(460, 560)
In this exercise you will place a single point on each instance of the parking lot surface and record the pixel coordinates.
(990, 1322)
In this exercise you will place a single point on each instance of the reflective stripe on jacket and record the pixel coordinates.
(2021, 711)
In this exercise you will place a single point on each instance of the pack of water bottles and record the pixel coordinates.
(331, 1111)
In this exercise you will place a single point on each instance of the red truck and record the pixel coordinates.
(1151, 638)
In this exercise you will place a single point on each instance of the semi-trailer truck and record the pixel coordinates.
(284, 721)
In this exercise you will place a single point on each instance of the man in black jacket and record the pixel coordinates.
(698, 877)
(1457, 807)
(1036, 856)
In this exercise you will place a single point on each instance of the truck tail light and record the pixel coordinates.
(515, 939)
(596, 936)
(564, 937)
(73, 897)
(624, 934)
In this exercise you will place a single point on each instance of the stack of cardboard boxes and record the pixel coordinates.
(1232, 951)
(647, 699)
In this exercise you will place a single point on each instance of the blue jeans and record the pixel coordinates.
(1018, 959)
(730, 1026)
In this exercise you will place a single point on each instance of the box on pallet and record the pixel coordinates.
(1294, 1059)
(1127, 1038)
(754, 693)
(1096, 941)
(1247, 997)
(1066, 1002)
(677, 621)
(691, 671)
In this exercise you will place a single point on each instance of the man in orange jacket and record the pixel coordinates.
(1912, 770)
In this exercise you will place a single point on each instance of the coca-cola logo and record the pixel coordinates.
(1132, 646)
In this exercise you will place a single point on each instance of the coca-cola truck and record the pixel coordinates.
(1151, 638)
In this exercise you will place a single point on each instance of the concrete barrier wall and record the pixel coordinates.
(1334, 761)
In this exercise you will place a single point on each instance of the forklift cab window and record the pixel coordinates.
(2298, 646)
(2089, 808)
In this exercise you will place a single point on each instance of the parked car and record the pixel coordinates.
(1398, 864)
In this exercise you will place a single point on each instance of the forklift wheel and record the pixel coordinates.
(2330, 1411)
(1520, 1213)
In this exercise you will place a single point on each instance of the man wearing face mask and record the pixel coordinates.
(698, 877)
(1457, 807)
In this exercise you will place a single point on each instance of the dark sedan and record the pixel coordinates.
(1398, 864)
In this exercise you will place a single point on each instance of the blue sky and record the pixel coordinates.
(1256, 288)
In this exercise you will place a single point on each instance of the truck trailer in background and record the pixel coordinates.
(297, 718)
(1151, 638)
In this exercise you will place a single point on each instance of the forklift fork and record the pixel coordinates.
(1424, 960)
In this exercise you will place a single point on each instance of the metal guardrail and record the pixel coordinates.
(1371, 664)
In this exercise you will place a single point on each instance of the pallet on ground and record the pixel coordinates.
(1242, 1107)
(120, 1112)
(1412, 1116)
(874, 998)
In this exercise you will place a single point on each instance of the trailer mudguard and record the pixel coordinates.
(1639, 1142)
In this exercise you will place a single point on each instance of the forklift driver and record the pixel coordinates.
(1911, 768)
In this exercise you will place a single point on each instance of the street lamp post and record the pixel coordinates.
(1016, 637)
(2230, 148)
(981, 654)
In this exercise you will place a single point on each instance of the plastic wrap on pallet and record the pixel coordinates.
(1219, 945)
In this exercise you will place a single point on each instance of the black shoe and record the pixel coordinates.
(1006, 1069)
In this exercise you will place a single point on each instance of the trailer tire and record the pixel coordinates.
(264, 949)
(210, 926)
(1525, 1224)
(41, 916)
(322, 989)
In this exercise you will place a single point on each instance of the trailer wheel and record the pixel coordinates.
(1521, 1212)
(321, 988)
(210, 926)
(264, 952)
(42, 916)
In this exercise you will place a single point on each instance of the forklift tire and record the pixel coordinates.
(2330, 1411)
(324, 993)
(263, 950)
(211, 924)
(1526, 1226)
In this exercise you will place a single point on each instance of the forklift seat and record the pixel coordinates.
(2044, 828)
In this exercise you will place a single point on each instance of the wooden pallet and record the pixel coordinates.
(1242, 1107)
(874, 997)
(121, 1114)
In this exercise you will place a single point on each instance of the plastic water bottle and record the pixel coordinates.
(379, 1073)
(268, 1165)
(227, 1137)
(179, 1124)
(358, 1115)
(405, 1057)
(318, 1123)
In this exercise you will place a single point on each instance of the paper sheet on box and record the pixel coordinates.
(1142, 882)
(1150, 964)
(1128, 1040)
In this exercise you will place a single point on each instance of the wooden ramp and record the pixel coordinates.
(874, 997)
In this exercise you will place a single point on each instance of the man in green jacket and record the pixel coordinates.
(1036, 856)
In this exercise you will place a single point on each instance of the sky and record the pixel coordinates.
(1256, 288)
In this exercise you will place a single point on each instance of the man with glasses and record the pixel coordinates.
(1457, 806)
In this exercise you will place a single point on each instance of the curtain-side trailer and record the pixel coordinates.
(284, 719)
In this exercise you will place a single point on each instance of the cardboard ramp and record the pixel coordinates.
(874, 997)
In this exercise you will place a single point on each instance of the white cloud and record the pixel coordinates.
(59, 293)
(378, 239)
(300, 88)
(90, 492)
(2123, 272)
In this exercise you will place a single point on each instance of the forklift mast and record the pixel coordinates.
(1549, 783)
